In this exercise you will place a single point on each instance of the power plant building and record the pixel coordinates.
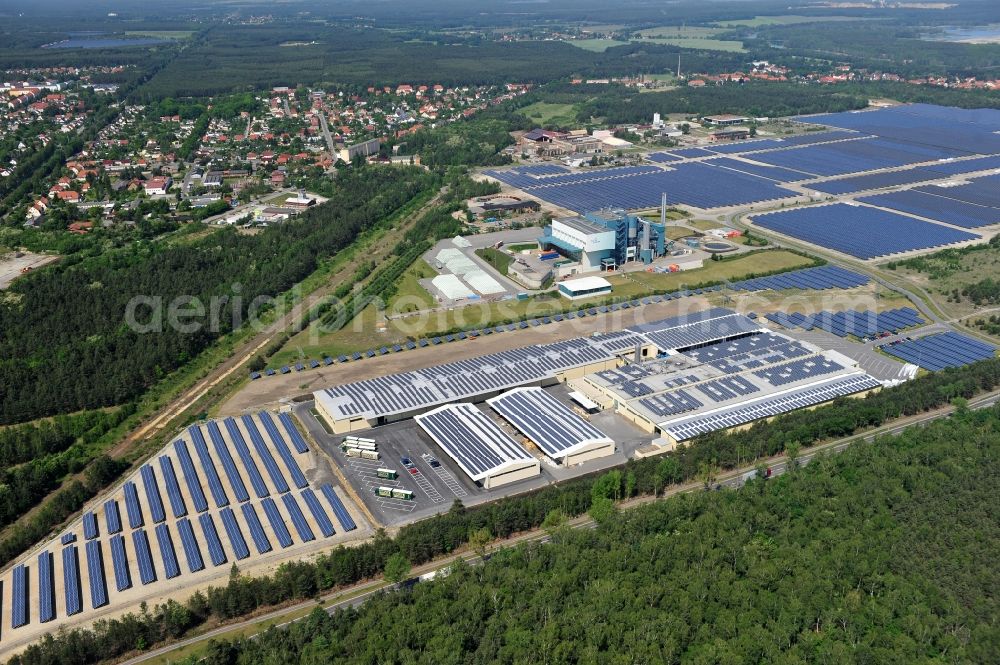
(605, 240)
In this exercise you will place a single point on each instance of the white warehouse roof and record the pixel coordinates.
(586, 283)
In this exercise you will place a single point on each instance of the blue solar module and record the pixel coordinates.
(144, 557)
(189, 543)
(95, 574)
(299, 367)
(873, 181)
(171, 568)
(173, 488)
(775, 173)
(319, 514)
(132, 507)
(286, 456)
(861, 232)
(940, 351)
(969, 130)
(19, 610)
(119, 561)
(236, 539)
(67, 538)
(293, 433)
(260, 540)
(269, 372)
(152, 488)
(313, 364)
(259, 487)
(983, 191)
(346, 523)
(222, 451)
(254, 376)
(46, 587)
(215, 551)
(71, 580)
(112, 517)
(191, 476)
(277, 522)
(298, 519)
(208, 466)
(285, 369)
(931, 206)
(265, 455)
(820, 278)
(691, 152)
(90, 530)
(328, 361)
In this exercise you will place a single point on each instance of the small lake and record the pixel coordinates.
(105, 42)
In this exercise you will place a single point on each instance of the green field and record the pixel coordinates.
(410, 296)
(790, 19)
(701, 43)
(596, 45)
(499, 260)
(545, 113)
(695, 37)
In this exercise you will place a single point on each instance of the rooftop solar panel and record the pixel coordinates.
(473, 440)
(553, 426)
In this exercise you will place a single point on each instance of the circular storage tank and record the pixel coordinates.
(717, 246)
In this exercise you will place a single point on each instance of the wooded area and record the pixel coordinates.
(66, 345)
(427, 539)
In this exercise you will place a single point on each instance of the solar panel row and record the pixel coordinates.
(46, 587)
(144, 557)
(95, 574)
(71, 580)
(119, 561)
(256, 480)
(132, 507)
(318, 513)
(222, 451)
(215, 551)
(937, 352)
(173, 488)
(208, 466)
(260, 540)
(286, 456)
(191, 476)
(152, 488)
(346, 522)
(264, 454)
(189, 543)
(236, 540)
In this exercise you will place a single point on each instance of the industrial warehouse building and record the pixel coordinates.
(676, 378)
(719, 371)
(585, 287)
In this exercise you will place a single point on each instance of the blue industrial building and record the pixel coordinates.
(605, 240)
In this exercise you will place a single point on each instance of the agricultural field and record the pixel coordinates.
(595, 45)
(547, 113)
(694, 37)
(790, 19)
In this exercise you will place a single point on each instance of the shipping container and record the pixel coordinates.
(383, 491)
(353, 452)
(402, 494)
(370, 454)
(387, 473)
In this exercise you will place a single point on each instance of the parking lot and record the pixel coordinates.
(436, 487)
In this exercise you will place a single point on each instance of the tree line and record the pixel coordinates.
(420, 542)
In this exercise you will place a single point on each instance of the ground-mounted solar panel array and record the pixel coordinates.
(926, 203)
(202, 525)
(940, 351)
(860, 231)
(691, 183)
(891, 147)
(860, 324)
(821, 278)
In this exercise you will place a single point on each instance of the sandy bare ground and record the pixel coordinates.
(11, 265)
